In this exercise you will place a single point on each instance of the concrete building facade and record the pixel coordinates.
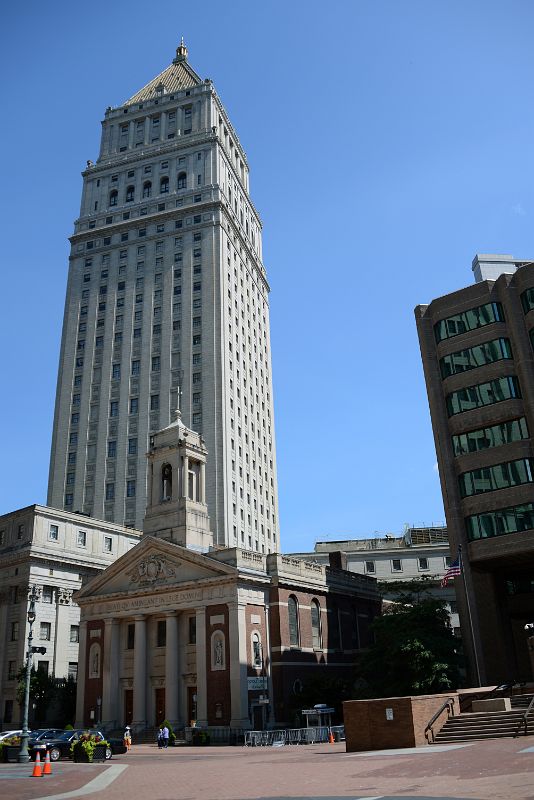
(478, 359)
(55, 551)
(420, 552)
(167, 305)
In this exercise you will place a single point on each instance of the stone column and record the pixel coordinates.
(202, 483)
(110, 671)
(267, 666)
(80, 691)
(202, 685)
(139, 679)
(238, 666)
(147, 130)
(185, 477)
(172, 667)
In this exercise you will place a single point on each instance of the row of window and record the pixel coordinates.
(472, 357)
(501, 522)
(164, 184)
(81, 541)
(494, 436)
(396, 564)
(141, 232)
(468, 321)
(483, 394)
(45, 632)
(499, 476)
(334, 626)
(21, 530)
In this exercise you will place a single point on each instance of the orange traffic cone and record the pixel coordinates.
(37, 769)
(330, 737)
(47, 769)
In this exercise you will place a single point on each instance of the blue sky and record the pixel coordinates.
(388, 143)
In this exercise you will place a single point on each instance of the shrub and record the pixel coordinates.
(87, 742)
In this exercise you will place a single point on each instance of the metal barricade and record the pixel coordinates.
(278, 738)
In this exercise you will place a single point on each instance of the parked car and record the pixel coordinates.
(40, 734)
(60, 747)
(7, 734)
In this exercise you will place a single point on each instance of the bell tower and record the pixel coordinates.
(176, 492)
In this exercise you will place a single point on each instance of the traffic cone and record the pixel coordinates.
(37, 769)
(330, 737)
(47, 769)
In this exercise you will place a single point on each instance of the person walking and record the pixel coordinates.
(127, 738)
(165, 736)
(160, 738)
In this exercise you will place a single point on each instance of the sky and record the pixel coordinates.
(388, 143)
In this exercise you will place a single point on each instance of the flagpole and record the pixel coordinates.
(469, 614)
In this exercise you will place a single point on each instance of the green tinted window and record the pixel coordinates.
(500, 476)
(501, 522)
(494, 436)
(473, 357)
(527, 299)
(484, 394)
(468, 321)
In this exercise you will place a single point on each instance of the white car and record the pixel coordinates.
(7, 734)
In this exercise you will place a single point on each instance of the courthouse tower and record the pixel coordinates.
(167, 293)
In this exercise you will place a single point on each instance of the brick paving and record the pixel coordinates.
(491, 770)
(16, 782)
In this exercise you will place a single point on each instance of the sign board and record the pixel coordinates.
(389, 714)
(257, 684)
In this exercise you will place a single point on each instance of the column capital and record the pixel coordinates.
(200, 611)
(140, 617)
(171, 614)
(109, 622)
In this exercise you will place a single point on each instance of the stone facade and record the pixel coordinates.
(167, 294)
(478, 360)
(54, 551)
(418, 553)
(180, 629)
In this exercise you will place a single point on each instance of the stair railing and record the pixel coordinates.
(524, 719)
(448, 705)
(504, 689)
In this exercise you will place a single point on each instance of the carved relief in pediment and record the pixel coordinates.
(151, 569)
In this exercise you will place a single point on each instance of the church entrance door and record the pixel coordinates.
(128, 706)
(160, 706)
(192, 703)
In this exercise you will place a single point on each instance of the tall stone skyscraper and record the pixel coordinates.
(167, 305)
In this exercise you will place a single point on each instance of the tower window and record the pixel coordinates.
(182, 180)
(164, 186)
(147, 189)
(113, 197)
(130, 192)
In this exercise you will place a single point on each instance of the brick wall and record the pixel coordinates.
(218, 683)
(368, 728)
(93, 685)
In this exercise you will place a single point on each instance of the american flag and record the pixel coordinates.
(454, 569)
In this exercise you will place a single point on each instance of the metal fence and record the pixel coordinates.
(292, 736)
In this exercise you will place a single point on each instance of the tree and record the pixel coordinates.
(415, 650)
(66, 700)
(42, 690)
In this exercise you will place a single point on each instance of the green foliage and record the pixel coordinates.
(68, 727)
(172, 735)
(42, 689)
(415, 651)
(66, 700)
(87, 743)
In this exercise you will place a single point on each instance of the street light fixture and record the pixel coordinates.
(24, 755)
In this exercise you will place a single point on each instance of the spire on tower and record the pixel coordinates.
(181, 52)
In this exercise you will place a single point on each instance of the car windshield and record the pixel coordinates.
(67, 736)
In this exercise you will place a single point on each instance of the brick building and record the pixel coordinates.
(177, 629)
(477, 347)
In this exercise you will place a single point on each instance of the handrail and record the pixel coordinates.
(467, 699)
(449, 705)
(524, 719)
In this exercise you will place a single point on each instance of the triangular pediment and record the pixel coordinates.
(154, 564)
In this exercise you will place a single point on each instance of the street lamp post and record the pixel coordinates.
(24, 756)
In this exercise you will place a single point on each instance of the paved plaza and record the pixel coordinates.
(497, 769)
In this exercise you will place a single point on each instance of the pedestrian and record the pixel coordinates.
(165, 732)
(127, 737)
(160, 737)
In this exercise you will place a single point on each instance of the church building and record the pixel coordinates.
(179, 629)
